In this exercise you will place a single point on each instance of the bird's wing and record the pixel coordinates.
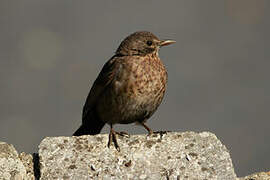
(104, 79)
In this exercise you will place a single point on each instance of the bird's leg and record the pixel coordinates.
(112, 138)
(150, 131)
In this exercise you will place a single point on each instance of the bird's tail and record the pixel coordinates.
(91, 125)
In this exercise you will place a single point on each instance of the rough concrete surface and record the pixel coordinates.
(27, 160)
(178, 156)
(11, 166)
(257, 176)
(186, 155)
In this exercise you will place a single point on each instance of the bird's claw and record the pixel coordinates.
(112, 138)
(161, 133)
(123, 133)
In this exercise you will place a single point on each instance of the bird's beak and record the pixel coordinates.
(167, 42)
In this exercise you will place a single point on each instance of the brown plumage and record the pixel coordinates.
(129, 88)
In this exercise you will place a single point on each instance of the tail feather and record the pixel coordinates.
(91, 125)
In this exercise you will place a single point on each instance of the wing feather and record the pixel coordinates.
(104, 79)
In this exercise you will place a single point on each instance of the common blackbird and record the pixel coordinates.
(129, 88)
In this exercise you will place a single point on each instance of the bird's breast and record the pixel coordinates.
(147, 79)
(137, 90)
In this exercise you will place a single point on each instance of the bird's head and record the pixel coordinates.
(141, 43)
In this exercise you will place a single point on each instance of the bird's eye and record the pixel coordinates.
(149, 43)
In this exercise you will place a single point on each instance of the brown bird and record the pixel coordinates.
(129, 88)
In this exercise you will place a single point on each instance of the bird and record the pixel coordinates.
(129, 88)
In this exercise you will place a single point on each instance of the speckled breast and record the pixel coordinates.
(138, 91)
(148, 80)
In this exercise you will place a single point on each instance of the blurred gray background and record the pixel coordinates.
(52, 51)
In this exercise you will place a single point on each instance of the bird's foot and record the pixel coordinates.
(161, 133)
(112, 138)
(151, 132)
(122, 133)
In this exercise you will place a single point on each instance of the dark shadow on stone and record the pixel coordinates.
(36, 166)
